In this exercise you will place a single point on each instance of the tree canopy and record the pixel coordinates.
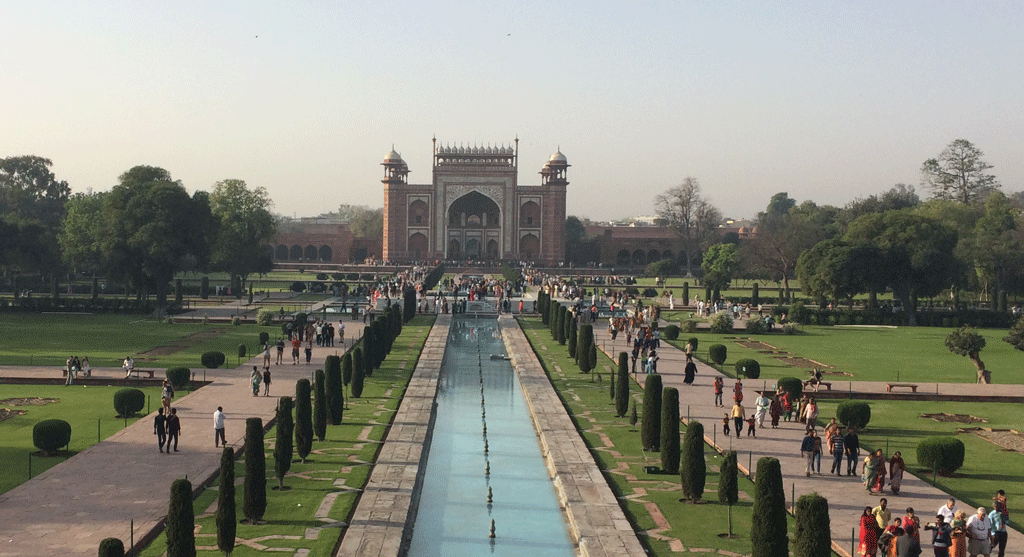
(693, 217)
(721, 264)
(959, 173)
(243, 228)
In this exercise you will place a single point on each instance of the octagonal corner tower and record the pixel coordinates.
(475, 208)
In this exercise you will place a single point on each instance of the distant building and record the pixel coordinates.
(474, 208)
(321, 240)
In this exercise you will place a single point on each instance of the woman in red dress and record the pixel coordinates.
(868, 534)
(880, 482)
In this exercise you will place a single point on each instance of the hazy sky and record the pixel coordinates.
(826, 100)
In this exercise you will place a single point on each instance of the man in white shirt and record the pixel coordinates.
(218, 428)
(978, 531)
(948, 510)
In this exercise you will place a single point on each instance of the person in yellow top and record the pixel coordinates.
(738, 414)
(882, 514)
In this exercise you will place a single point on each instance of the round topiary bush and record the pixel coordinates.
(721, 323)
(853, 413)
(944, 455)
(111, 547)
(748, 368)
(689, 326)
(178, 376)
(717, 353)
(298, 286)
(212, 359)
(792, 385)
(129, 401)
(264, 337)
(50, 436)
(671, 332)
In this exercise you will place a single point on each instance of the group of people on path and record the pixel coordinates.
(76, 366)
(167, 425)
(953, 533)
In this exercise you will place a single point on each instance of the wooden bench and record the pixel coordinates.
(149, 371)
(889, 386)
(826, 384)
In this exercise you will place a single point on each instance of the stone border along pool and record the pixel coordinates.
(382, 522)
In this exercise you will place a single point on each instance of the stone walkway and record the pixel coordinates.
(846, 495)
(67, 510)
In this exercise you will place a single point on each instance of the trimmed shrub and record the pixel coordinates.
(671, 332)
(264, 337)
(298, 286)
(944, 455)
(283, 446)
(129, 401)
(748, 368)
(650, 428)
(358, 361)
(560, 325)
(254, 490)
(335, 390)
(768, 522)
(346, 368)
(792, 385)
(369, 345)
(212, 359)
(52, 435)
(670, 430)
(572, 338)
(798, 313)
(791, 329)
(236, 320)
(303, 419)
(813, 535)
(721, 324)
(111, 547)
(593, 355)
(584, 346)
(181, 521)
(728, 479)
(622, 386)
(649, 293)
(567, 322)
(756, 327)
(204, 288)
(694, 473)
(178, 376)
(320, 405)
(227, 522)
(854, 413)
(242, 351)
(264, 317)
(717, 352)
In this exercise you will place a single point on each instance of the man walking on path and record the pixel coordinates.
(978, 531)
(762, 403)
(738, 415)
(218, 427)
(160, 428)
(838, 450)
(852, 445)
(280, 350)
(948, 510)
(998, 519)
(173, 430)
(807, 451)
(719, 385)
(882, 514)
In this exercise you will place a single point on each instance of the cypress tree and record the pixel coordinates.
(178, 293)
(768, 521)
(584, 345)
(728, 483)
(563, 324)
(650, 426)
(283, 446)
(553, 319)
(368, 347)
(380, 335)
(319, 405)
(694, 469)
(346, 367)
(813, 536)
(611, 384)
(670, 430)
(593, 350)
(303, 419)
(572, 337)
(335, 390)
(542, 307)
(632, 415)
(357, 372)
(204, 288)
(622, 385)
(111, 547)
(254, 490)
(409, 304)
(95, 298)
(181, 521)
(227, 523)
(686, 293)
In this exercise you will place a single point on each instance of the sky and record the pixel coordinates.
(828, 101)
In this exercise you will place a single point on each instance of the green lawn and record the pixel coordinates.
(89, 410)
(338, 466)
(917, 354)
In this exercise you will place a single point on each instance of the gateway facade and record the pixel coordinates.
(475, 208)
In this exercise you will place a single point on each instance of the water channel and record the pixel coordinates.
(484, 444)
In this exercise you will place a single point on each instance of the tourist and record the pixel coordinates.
(906, 545)
(266, 381)
(852, 444)
(948, 511)
(166, 395)
(887, 540)
(940, 536)
(719, 386)
(912, 524)
(979, 529)
(218, 427)
(868, 534)
(86, 367)
(689, 351)
(896, 469)
(882, 514)
(173, 430)
(880, 471)
(296, 344)
(807, 451)
(838, 451)
(280, 350)
(160, 429)
(817, 452)
(775, 410)
(958, 535)
(738, 414)
(255, 378)
(787, 406)
(737, 391)
(725, 424)
(830, 428)
(998, 519)
(999, 502)
(870, 471)
(309, 350)
(70, 370)
(810, 412)
(761, 404)
(689, 371)
(266, 353)
(129, 366)
(751, 427)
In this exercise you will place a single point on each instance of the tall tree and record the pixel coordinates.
(31, 192)
(81, 232)
(768, 522)
(254, 490)
(997, 249)
(694, 468)
(813, 535)
(303, 418)
(692, 217)
(670, 431)
(319, 405)
(283, 445)
(837, 270)
(720, 265)
(227, 524)
(959, 173)
(181, 521)
(244, 226)
(900, 196)
(650, 428)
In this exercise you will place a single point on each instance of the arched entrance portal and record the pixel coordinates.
(474, 223)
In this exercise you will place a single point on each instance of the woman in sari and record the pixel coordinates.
(868, 534)
(890, 534)
(880, 470)
(958, 537)
(896, 469)
(870, 471)
(775, 411)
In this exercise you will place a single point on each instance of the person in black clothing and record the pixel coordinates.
(159, 429)
(852, 447)
(941, 539)
(173, 429)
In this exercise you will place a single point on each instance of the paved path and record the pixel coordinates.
(846, 495)
(68, 509)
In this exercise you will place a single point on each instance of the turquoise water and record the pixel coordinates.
(454, 517)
